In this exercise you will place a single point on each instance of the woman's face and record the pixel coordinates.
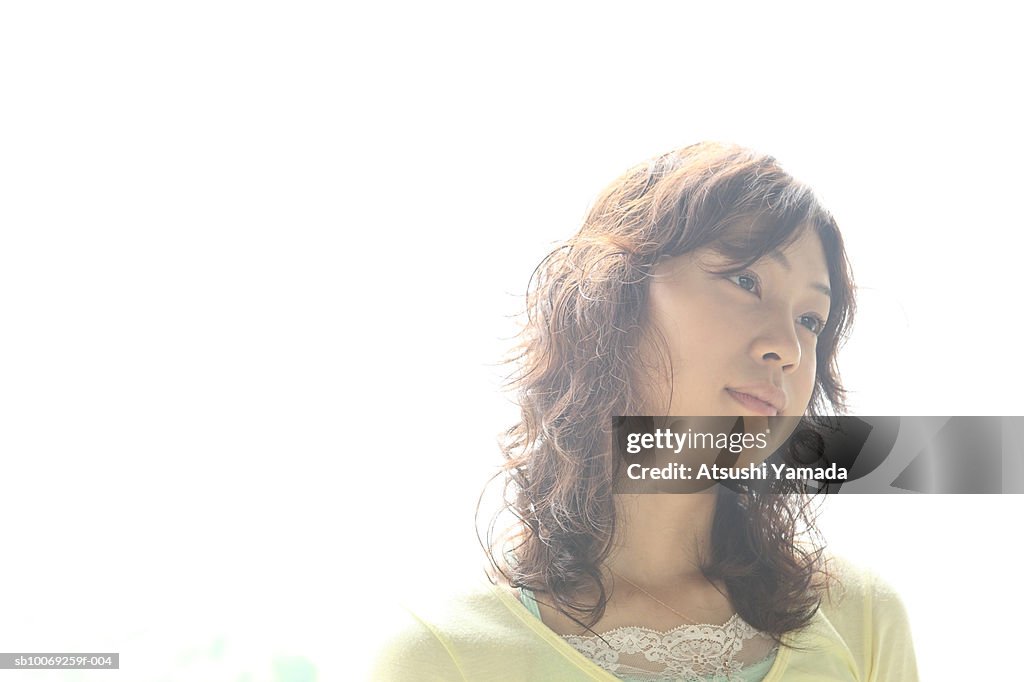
(741, 344)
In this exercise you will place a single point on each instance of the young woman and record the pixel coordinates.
(705, 282)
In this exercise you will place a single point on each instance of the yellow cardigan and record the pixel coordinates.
(484, 633)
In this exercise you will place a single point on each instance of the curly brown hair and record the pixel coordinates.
(578, 364)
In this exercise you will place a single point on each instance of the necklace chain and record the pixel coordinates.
(684, 617)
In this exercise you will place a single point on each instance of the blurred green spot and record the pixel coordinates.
(294, 669)
(217, 648)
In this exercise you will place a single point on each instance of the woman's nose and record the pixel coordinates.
(777, 343)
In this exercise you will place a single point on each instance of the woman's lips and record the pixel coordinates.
(752, 403)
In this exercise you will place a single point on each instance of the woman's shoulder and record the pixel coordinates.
(862, 618)
(473, 602)
(853, 586)
(435, 630)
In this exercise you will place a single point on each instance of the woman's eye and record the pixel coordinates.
(813, 322)
(746, 281)
(750, 282)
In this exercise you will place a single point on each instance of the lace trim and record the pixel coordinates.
(689, 653)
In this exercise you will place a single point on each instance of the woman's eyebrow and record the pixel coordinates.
(781, 259)
(818, 286)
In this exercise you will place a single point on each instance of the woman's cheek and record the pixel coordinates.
(807, 374)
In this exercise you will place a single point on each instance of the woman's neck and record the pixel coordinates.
(661, 539)
(653, 571)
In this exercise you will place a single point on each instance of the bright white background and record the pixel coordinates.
(256, 263)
